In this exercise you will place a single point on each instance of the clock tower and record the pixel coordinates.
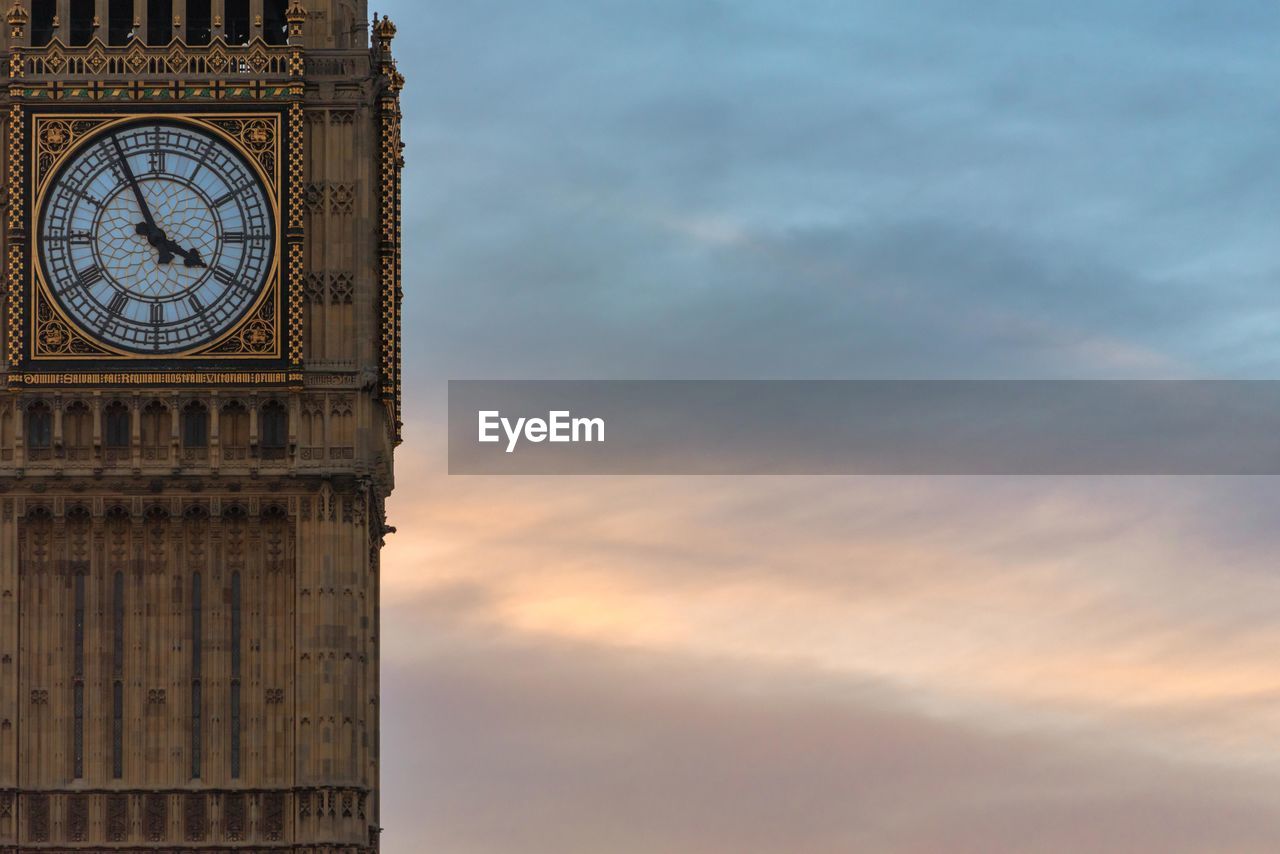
(199, 405)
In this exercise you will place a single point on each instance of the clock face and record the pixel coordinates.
(156, 237)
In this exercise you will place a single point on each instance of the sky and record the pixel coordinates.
(814, 189)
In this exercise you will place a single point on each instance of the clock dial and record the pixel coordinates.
(156, 237)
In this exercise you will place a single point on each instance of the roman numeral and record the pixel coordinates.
(157, 161)
(201, 156)
(241, 237)
(88, 198)
(231, 194)
(196, 305)
(90, 277)
(230, 280)
(157, 314)
(83, 237)
(118, 303)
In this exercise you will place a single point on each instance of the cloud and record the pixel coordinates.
(711, 190)
(522, 743)
(699, 188)
(1134, 604)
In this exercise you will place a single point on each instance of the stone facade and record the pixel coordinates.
(189, 620)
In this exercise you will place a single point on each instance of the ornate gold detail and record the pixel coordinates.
(391, 166)
(383, 32)
(15, 260)
(53, 334)
(55, 137)
(295, 16)
(295, 165)
(54, 337)
(17, 18)
(96, 60)
(259, 137)
(15, 266)
(256, 336)
(152, 378)
(295, 303)
(295, 226)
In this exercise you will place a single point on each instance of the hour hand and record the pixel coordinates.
(157, 238)
(190, 257)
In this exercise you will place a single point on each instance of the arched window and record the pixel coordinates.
(159, 22)
(6, 434)
(116, 429)
(119, 22)
(237, 21)
(274, 430)
(42, 13)
(77, 431)
(274, 29)
(233, 431)
(195, 430)
(81, 22)
(155, 431)
(199, 21)
(39, 431)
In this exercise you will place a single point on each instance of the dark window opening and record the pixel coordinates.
(237, 21)
(39, 427)
(233, 432)
(199, 21)
(77, 431)
(274, 431)
(81, 22)
(42, 12)
(119, 22)
(274, 27)
(116, 426)
(155, 431)
(195, 426)
(159, 22)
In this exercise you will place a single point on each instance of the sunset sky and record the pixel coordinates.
(811, 189)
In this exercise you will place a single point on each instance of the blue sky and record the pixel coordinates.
(835, 189)
(809, 189)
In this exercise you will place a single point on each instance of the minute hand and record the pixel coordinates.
(148, 227)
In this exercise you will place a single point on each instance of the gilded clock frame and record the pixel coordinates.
(46, 346)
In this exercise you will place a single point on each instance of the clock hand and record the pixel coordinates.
(190, 257)
(147, 228)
